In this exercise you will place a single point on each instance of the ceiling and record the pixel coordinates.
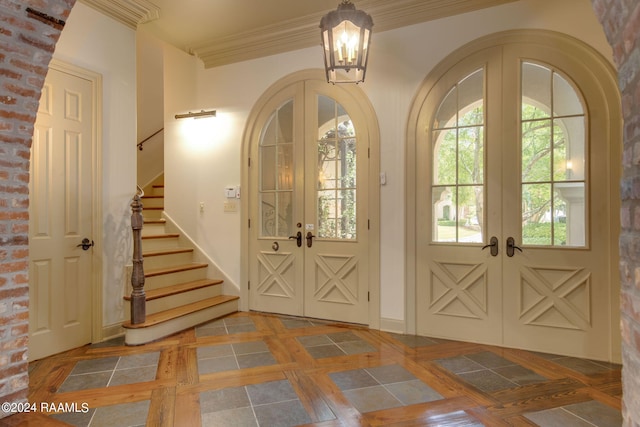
(225, 31)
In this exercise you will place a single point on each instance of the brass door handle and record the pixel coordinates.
(310, 237)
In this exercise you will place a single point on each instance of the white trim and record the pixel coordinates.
(393, 325)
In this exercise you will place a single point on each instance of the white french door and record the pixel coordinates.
(308, 232)
(514, 247)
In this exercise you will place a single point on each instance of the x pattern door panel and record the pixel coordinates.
(556, 297)
(459, 290)
(276, 277)
(337, 279)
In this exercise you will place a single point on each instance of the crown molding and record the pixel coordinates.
(128, 12)
(303, 32)
(292, 34)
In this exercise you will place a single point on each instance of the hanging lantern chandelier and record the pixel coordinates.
(346, 35)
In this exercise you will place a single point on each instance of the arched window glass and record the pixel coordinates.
(336, 190)
(458, 162)
(276, 171)
(553, 159)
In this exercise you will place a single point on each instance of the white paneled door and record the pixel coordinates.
(61, 217)
(309, 233)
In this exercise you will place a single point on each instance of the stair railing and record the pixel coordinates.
(141, 143)
(138, 297)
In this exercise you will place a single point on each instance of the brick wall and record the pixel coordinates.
(27, 41)
(621, 22)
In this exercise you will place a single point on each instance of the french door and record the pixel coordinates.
(308, 233)
(514, 244)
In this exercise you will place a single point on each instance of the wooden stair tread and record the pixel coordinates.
(152, 208)
(177, 289)
(152, 197)
(164, 316)
(166, 252)
(160, 236)
(155, 221)
(175, 269)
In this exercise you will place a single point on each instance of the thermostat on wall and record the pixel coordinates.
(232, 192)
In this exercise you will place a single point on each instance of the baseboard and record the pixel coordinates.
(112, 331)
(392, 325)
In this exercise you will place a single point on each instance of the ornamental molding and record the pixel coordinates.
(292, 34)
(129, 12)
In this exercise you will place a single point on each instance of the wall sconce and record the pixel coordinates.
(345, 35)
(198, 115)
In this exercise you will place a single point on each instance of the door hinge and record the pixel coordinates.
(368, 224)
(368, 153)
(249, 223)
(249, 162)
(368, 296)
(249, 285)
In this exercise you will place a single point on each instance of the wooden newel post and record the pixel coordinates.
(138, 298)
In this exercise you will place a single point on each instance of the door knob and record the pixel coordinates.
(511, 247)
(86, 244)
(298, 238)
(493, 244)
(310, 237)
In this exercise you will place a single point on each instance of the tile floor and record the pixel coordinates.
(246, 377)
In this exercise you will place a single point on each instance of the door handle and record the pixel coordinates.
(493, 244)
(511, 247)
(310, 239)
(86, 244)
(298, 238)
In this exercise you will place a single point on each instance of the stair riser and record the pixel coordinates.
(172, 301)
(145, 335)
(152, 229)
(151, 213)
(149, 245)
(152, 202)
(163, 280)
(157, 191)
(163, 261)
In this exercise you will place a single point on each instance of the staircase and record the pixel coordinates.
(179, 294)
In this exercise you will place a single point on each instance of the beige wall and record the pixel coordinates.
(400, 60)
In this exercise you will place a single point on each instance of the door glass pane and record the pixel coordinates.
(536, 91)
(565, 98)
(336, 169)
(553, 160)
(276, 173)
(536, 150)
(536, 214)
(458, 163)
